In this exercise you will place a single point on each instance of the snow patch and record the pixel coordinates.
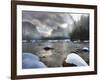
(75, 59)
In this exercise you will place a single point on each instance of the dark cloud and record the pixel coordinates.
(46, 24)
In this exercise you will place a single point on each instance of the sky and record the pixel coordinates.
(76, 17)
(50, 23)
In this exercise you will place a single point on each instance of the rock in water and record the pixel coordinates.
(47, 48)
(30, 60)
(30, 56)
(85, 49)
(75, 59)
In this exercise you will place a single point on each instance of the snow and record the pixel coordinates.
(30, 60)
(75, 59)
(28, 63)
(85, 49)
(30, 56)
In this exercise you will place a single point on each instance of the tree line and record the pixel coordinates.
(81, 29)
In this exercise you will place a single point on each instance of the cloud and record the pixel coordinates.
(65, 25)
(44, 31)
(49, 24)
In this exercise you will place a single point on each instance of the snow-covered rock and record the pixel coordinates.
(75, 59)
(86, 49)
(30, 56)
(28, 64)
(30, 60)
